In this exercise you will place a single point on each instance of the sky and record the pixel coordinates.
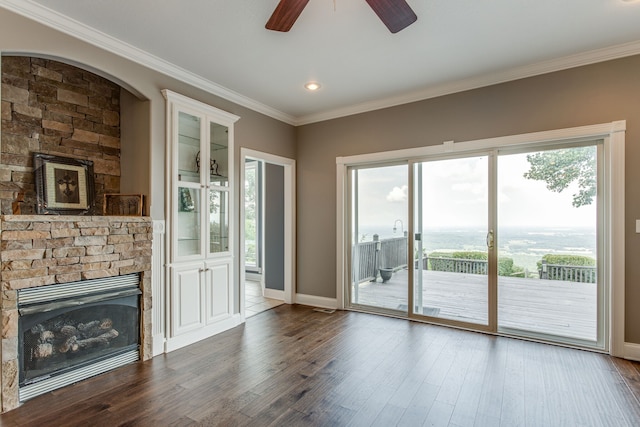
(455, 194)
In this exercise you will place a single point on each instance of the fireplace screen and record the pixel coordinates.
(59, 336)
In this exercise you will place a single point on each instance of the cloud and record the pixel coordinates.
(398, 194)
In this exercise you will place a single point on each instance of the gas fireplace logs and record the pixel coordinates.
(63, 336)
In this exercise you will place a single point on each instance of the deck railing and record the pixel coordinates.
(392, 253)
(457, 265)
(386, 253)
(569, 273)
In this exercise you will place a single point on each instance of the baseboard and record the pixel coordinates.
(254, 277)
(632, 351)
(315, 301)
(174, 343)
(274, 294)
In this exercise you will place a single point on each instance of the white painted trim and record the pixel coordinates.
(511, 74)
(77, 29)
(59, 22)
(614, 140)
(254, 277)
(632, 351)
(289, 166)
(274, 294)
(174, 343)
(158, 296)
(615, 223)
(218, 115)
(315, 301)
(342, 265)
(591, 131)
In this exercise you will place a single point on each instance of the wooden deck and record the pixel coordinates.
(554, 307)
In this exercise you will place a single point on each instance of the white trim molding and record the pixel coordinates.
(158, 287)
(274, 294)
(613, 136)
(288, 294)
(632, 351)
(315, 301)
(504, 76)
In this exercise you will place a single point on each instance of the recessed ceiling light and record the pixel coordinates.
(312, 86)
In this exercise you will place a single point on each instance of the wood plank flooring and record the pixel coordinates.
(292, 366)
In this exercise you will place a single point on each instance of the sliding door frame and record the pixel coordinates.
(492, 285)
(613, 136)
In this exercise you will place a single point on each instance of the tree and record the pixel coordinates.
(559, 168)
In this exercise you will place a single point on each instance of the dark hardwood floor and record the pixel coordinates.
(293, 366)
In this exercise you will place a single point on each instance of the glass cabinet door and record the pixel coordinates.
(189, 152)
(218, 221)
(219, 155)
(188, 223)
(218, 188)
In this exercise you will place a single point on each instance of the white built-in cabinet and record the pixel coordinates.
(200, 246)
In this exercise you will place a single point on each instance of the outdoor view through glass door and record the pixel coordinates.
(379, 206)
(506, 240)
(548, 237)
(451, 225)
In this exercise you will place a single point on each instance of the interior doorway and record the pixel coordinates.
(267, 234)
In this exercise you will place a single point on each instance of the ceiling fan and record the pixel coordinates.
(395, 14)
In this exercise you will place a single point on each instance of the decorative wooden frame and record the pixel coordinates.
(64, 186)
(123, 204)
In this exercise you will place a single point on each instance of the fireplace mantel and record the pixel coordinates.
(41, 250)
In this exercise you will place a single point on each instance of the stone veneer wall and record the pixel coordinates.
(39, 250)
(58, 109)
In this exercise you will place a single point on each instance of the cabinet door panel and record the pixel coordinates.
(218, 221)
(186, 300)
(189, 147)
(217, 296)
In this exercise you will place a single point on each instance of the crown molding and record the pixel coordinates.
(516, 73)
(71, 27)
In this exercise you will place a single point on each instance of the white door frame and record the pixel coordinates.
(289, 166)
(612, 133)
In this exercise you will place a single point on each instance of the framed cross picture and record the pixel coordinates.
(64, 185)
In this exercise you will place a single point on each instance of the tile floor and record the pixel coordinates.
(254, 301)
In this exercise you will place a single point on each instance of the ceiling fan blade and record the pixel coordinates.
(285, 15)
(395, 14)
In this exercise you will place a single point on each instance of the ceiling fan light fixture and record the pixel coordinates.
(312, 86)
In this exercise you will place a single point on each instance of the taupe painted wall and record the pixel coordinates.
(587, 95)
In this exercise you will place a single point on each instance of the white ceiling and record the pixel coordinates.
(222, 46)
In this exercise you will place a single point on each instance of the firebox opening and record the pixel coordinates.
(71, 331)
(57, 341)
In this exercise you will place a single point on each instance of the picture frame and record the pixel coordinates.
(64, 185)
(123, 204)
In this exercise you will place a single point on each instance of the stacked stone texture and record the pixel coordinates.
(39, 250)
(58, 109)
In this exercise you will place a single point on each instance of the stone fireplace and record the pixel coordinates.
(58, 109)
(40, 251)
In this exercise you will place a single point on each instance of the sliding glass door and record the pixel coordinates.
(548, 228)
(504, 240)
(379, 258)
(451, 228)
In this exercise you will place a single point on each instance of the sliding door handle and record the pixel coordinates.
(490, 239)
